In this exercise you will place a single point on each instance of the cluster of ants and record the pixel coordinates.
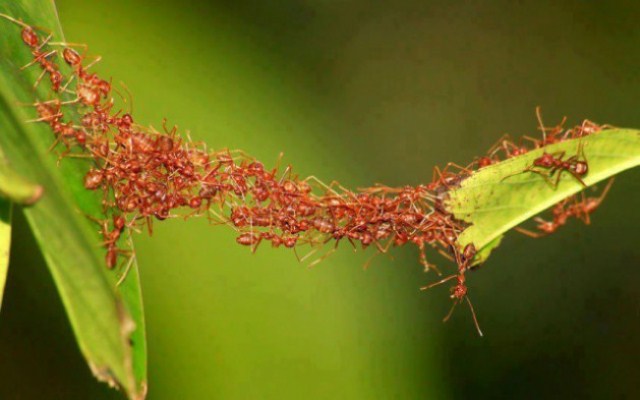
(146, 175)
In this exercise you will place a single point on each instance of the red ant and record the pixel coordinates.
(565, 209)
(588, 205)
(31, 39)
(459, 291)
(549, 135)
(446, 179)
(555, 162)
(458, 294)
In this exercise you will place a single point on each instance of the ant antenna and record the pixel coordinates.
(541, 124)
(126, 89)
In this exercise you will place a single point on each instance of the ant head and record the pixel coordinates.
(581, 168)
(519, 151)
(104, 87)
(165, 144)
(484, 162)
(195, 202)
(81, 137)
(29, 37)
(71, 57)
(119, 222)
(255, 167)
(126, 119)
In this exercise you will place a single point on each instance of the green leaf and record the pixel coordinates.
(16, 188)
(499, 197)
(107, 319)
(5, 242)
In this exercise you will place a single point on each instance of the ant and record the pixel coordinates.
(446, 179)
(576, 165)
(504, 144)
(31, 39)
(459, 292)
(549, 135)
(563, 210)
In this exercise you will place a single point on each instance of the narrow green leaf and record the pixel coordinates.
(107, 320)
(499, 197)
(5, 242)
(15, 187)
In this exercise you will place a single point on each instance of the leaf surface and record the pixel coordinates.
(107, 320)
(499, 197)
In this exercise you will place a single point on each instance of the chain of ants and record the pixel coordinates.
(146, 175)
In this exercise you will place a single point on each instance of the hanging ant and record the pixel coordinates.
(459, 293)
(565, 209)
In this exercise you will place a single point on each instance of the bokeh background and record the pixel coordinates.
(361, 92)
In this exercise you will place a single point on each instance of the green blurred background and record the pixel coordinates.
(361, 92)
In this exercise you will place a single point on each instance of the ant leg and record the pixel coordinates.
(44, 119)
(605, 191)
(367, 263)
(473, 314)
(149, 222)
(287, 172)
(498, 145)
(440, 282)
(66, 85)
(458, 166)
(77, 155)
(124, 275)
(529, 233)
(551, 131)
(96, 59)
(328, 188)
(173, 131)
(126, 89)
(309, 254)
(37, 82)
(560, 155)
(69, 44)
(450, 313)
(45, 41)
(444, 254)
(528, 169)
(574, 174)
(436, 175)
(15, 21)
(255, 247)
(319, 260)
(546, 176)
(222, 220)
(536, 142)
(425, 262)
(276, 167)
(37, 60)
(541, 124)
(581, 152)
